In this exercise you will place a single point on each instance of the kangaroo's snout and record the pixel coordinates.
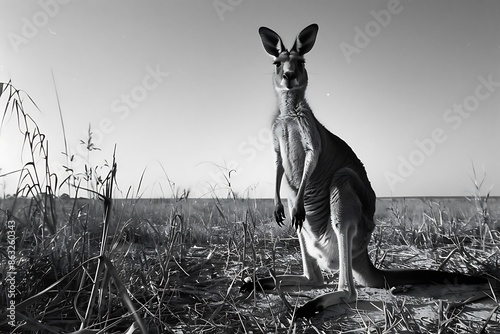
(289, 75)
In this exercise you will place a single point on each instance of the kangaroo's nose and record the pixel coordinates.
(289, 75)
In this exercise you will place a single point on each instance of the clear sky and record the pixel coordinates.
(412, 86)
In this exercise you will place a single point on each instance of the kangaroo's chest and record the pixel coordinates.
(291, 150)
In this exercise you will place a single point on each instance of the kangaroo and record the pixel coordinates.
(333, 203)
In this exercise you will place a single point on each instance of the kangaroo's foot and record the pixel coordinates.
(269, 283)
(318, 304)
(263, 284)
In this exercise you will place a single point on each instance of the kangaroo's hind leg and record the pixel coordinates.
(311, 276)
(346, 216)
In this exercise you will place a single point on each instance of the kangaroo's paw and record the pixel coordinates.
(298, 216)
(279, 214)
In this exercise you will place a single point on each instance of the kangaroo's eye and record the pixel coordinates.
(301, 63)
(277, 64)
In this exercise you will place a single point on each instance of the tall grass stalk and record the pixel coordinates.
(39, 185)
(481, 203)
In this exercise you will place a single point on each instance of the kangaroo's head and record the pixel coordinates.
(290, 73)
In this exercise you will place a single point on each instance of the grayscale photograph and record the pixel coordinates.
(237, 166)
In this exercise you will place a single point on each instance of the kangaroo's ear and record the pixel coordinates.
(305, 40)
(271, 41)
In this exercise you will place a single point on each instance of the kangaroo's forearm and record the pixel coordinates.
(279, 176)
(312, 146)
(310, 163)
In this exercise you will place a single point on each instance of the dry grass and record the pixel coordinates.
(105, 265)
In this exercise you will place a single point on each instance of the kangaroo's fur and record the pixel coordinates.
(333, 203)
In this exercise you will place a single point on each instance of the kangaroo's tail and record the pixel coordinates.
(371, 276)
(402, 277)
